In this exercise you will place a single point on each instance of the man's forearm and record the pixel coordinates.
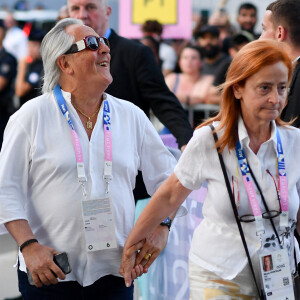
(20, 231)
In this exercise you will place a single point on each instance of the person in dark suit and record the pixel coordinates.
(8, 70)
(281, 22)
(136, 76)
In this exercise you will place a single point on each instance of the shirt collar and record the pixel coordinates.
(244, 137)
(107, 33)
(296, 59)
(67, 96)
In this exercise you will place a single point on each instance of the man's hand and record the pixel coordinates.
(128, 269)
(39, 261)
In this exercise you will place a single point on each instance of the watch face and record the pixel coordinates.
(167, 222)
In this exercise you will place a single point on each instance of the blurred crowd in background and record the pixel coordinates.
(193, 68)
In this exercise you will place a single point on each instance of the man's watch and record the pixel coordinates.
(167, 222)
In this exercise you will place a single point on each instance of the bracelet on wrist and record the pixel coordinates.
(28, 242)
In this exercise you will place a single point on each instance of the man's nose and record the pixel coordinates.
(103, 49)
(82, 13)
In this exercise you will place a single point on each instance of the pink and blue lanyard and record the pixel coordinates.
(249, 185)
(107, 176)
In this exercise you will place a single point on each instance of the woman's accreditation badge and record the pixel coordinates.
(276, 275)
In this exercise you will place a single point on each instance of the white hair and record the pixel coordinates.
(55, 43)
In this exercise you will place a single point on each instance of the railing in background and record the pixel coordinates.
(207, 109)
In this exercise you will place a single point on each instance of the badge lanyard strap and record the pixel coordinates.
(250, 188)
(76, 142)
(107, 175)
(283, 185)
(283, 188)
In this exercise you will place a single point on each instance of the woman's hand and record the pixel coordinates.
(155, 243)
(39, 261)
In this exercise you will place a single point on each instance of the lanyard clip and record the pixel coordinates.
(82, 181)
(107, 178)
(260, 239)
(106, 187)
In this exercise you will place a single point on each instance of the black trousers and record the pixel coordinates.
(107, 288)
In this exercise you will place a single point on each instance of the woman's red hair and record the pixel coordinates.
(248, 61)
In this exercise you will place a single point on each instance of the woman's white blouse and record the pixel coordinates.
(216, 244)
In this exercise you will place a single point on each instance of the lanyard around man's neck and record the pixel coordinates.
(107, 173)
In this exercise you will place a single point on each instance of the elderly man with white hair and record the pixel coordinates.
(68, 167)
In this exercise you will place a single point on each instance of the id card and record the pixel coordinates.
(99, 224)
(276, 275)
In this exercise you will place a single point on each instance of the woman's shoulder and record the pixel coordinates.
(289, 132)
(204, 134)
(204, 80)
(171, 79)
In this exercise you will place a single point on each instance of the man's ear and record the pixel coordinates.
(63, 63)
(108, 10)
(281, 33)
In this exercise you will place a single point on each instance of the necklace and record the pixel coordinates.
(89, 123)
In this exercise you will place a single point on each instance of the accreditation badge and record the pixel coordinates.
(276, 275)
(99, 224)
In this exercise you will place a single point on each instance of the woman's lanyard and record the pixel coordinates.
(283, 187)
(107, 175)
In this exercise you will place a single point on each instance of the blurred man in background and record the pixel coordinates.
(247, 18)
(167, 53)
(208, 39)
(281, 22)
(15, 40)
(30, 69)
(8, 66)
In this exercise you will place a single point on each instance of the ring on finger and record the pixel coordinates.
(147, 256)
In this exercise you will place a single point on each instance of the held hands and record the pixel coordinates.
(128, 269)
(39, 261)
(134, 263)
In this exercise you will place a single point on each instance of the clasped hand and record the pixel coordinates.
(137, 258)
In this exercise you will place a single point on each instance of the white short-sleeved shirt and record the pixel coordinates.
(216, 244)
(38, 177)
(168, 56)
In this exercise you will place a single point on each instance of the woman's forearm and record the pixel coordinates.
(163, 203)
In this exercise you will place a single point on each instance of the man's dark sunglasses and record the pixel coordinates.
(89, 42)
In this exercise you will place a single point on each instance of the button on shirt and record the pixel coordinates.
(38, 177)
(217, 244)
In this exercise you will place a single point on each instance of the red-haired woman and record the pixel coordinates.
(262, 159)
